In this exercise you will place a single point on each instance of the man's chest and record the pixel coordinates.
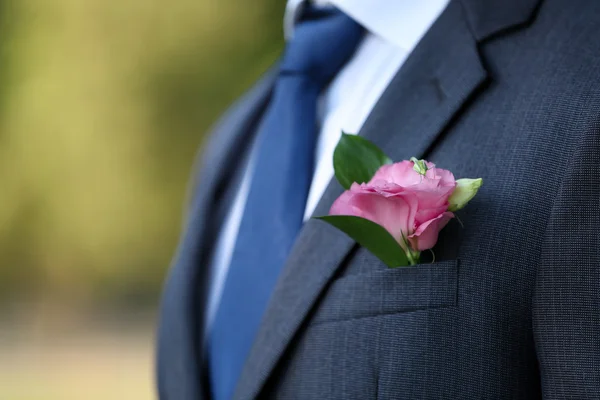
(432, 330)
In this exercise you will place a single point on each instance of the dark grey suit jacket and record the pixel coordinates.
(506, 90)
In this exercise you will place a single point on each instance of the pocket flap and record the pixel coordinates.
(389, 291)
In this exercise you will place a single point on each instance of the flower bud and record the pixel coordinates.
(465, 190)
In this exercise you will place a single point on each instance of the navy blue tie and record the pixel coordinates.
(284, 160)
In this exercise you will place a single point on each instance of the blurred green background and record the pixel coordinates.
(103, 106)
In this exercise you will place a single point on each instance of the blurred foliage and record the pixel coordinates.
(103, 105)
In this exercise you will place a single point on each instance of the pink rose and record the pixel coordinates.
(406, 203)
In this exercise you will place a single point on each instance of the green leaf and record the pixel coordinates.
(371, 236)
(356, 160)
(465, 190)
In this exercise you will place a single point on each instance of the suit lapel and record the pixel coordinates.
(179, 335)
(440, 77)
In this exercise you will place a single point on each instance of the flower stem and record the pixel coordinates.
(413, 256)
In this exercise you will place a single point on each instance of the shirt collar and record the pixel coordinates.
(400, 22)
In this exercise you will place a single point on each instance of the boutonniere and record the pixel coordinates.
(394, 210)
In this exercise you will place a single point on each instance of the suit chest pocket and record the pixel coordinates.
(385, 291)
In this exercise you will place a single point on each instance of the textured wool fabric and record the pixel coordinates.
(506, 90)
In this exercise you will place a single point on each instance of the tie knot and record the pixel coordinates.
(322, 43)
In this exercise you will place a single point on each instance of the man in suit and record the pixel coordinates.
(264, 302)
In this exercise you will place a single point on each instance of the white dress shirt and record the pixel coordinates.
(394, 27)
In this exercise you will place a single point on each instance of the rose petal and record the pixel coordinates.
(342, 205)
(401, 174)
(426, 214)
(395, 213)
(426, 235)
(444, 176)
